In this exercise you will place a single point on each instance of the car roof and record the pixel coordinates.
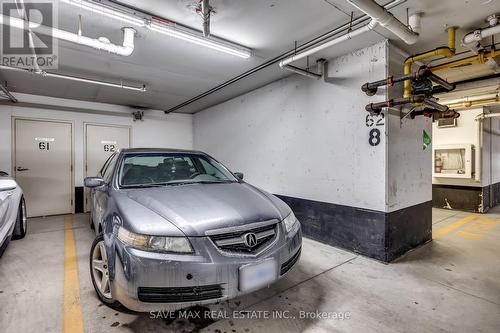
(159, 150)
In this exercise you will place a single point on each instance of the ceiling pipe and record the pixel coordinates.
(415, 22)
(302, 72)
(8, 94)
(136, 17)
(370, 26)
(205, 14)
(387, 20)
(481, 58)
(486, 115)
(474, 103)
(76, 78)
(447, 52)
(379, 15)
(473, 39)
(125, 49)
(467, 99)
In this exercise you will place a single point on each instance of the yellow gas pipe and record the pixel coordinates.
(448, 52)
(479, 58)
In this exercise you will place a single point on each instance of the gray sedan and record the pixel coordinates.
(13, 219)
(176, 228)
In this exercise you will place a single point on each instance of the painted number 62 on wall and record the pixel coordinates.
(372, 122)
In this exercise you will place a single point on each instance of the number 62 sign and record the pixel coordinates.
(109, 148)
(372, 122)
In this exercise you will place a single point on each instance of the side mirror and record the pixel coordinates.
(93, 182)
(7, 184)
(239, 175)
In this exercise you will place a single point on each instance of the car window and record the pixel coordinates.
(143, 169)
(103, 169)
(210, 169)
(109, 168)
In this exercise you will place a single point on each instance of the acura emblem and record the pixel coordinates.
(250, 239)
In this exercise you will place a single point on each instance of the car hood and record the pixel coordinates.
(196, 208)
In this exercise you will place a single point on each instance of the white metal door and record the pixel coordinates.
(100, 142)
(43, 165)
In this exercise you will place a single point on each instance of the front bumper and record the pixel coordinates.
(156, 272)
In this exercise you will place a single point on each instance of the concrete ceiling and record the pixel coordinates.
(175, 71)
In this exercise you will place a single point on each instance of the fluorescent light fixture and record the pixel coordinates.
(166, 28)
(107, 11)
(200, 40)
(99, 82)
(77, 78)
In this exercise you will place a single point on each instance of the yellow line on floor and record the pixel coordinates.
(72, 311)
(452, 226)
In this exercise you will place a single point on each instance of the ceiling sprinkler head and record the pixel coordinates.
(138, 115)
(493, 20)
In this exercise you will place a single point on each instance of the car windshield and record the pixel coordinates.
(162, 169)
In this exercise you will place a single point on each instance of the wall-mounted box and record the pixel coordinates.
(453, 161)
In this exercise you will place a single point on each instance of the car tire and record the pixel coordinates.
(101, 275)
(21, 221)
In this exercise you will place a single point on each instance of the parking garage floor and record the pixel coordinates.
(451, 284)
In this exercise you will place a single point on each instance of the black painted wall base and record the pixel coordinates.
(379, 235)
(79, 197)
(467, 198)
(491, 196)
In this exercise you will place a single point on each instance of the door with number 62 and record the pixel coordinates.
(100, 142)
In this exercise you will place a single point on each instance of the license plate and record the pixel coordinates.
(254, 276)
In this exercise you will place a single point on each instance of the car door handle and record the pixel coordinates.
(21, 169)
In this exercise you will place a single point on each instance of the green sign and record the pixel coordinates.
(426, 140)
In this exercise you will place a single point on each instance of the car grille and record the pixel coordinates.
(289, 263)
(235, 241)
(179, 294)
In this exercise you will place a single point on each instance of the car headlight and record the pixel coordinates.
(154, 243)
(290, 222)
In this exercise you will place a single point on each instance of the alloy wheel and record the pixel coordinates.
(100, 269)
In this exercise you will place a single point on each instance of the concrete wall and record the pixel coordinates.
(157, 129)
(305, 138)
(495, 150)
(491, 151)
(409, 178)
(358, 181)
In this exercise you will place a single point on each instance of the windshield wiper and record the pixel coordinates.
(145, 185)
(183, 182)
(216, 181)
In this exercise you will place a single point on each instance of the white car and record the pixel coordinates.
(12, 211)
